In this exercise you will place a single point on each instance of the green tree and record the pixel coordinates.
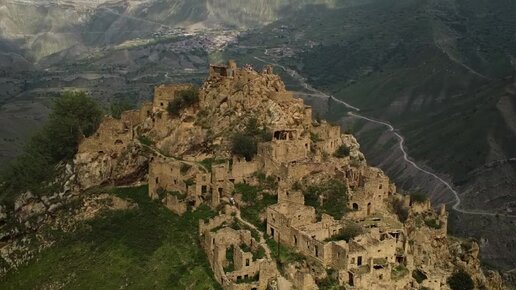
(118, 107)
(244, 145)
(461, 281)
(182, 99)
(73, 116)
(342, 151)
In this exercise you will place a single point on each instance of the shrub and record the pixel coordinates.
(175, 106)
(315, 137)
(118, 107)
(461, 281)
(183, 98)
(244, 145)
(145, 140)
(418, 197)
(252, 128)
(400, 210)
(342, 151)
(432, 223)
(349, 232)
(419, 276)
(189, 96)
(184, 168)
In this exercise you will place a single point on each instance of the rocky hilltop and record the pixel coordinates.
(297, 205)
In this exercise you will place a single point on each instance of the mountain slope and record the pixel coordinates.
(441, 72)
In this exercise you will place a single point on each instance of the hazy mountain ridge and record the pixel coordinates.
(50, 27)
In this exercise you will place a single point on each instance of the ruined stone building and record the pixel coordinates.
(238, 260)
(187, 161)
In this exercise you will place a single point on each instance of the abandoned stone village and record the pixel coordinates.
(298, 209)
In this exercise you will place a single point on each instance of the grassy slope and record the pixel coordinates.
(145, 248)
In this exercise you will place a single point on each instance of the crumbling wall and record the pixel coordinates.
(166, 174)
(243, 169)
(164, 94)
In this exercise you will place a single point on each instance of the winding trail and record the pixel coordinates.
(283, 283)
(262, 241)
(320, 94)
(157, 152)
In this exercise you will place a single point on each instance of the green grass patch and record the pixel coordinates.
(147, 247)
(145, 140)
(335, 197)
(252, 211)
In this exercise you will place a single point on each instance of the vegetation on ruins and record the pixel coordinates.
(73, 116)
(267, 182)
(342, 151)
(245, 143)
(256, 201)
(400, 210)
(230, 252)
(330, 282)
(417, 197)
(461, 281)
(432, 223)
(329, 197)
(184, 168)
(399, 271)
(145, 140)
(349, 232)
(419, 276)
(314, 137)
(283, 254)
(183, 99)
(118, 107)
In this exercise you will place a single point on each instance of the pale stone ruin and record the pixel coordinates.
(384, 253)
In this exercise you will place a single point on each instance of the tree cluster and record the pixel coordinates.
(73, 116)
(246, 143)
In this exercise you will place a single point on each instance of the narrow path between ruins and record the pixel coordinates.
(320, 94)
(283, 283)
(262, 241)
(191, 163)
